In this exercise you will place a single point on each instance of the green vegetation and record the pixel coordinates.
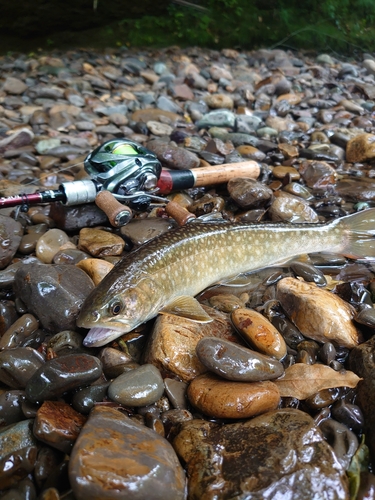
(345, 26)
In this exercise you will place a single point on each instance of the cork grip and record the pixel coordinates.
(118, 214)
(179, 213)
(217, 174)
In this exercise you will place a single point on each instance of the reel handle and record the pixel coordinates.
(118, 214)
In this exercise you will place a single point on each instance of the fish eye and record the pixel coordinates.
(116, 307)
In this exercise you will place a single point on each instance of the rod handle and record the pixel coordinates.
(218, 174)
(118, 214)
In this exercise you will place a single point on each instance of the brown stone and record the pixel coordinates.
(361, 148)
(173, 341)
(58, 424)
(99, 243)
(116, 457)
(280, 454)
(220, 398)
(154, 114)
(219, 101)
(259, 332)
(281, 172)
(318, 314)
(95, 268)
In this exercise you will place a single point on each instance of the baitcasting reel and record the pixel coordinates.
(126, 169)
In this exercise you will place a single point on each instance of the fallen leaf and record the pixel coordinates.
(302, 381)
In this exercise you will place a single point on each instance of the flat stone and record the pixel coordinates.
(301, 465)
(115, 457)
(317, 313)
(219, 398)
(14, 86)
(99, 243)
(154, 114)
(173, 341)
(142, 386)
(58, 425)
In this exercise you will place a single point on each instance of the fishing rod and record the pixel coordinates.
(133, 175)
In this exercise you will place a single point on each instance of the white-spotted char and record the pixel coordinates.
(165, 274)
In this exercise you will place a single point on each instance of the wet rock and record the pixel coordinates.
(318, 174)
(289, 208)
(225, 302)
(361, 148)
(361, 361)
(216, 397)
(317, 313)
(173, 156)
(54, 293)
(10, 237)
(19, 331)
(99, 243)
(154, 114)
(259, 332)
(140, 231)
(16, 437)
(173, 341)
(302, 465)
(236, 363)
(139, 387)
(62, 374)
(11, 407)
(140, 462)
(249, 193)
(49, 244)
(85, 399)
(18, 365)
(95, 268)
(58, 425)
(176, 392)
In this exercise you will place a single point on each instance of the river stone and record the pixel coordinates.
(318, 174)
(173, 156)
(115, 457)
(11, 407)
(249, 193)
(18, 365)
(99, 243)
(140, 387)
(318, 314)
(289, 208)
(362, 362)
(15, 437)
(236, 363)
(14, 86)
(258, 332)
(54, 293)
(219, 101)
(275, 456)
(361, 148)
(58, 425)
(62, 374)
(140, 231)
(173, 340)
(217, 118)
(219, 398)
(10, 237)
(49, 244)
(97, 269)
(154, 114)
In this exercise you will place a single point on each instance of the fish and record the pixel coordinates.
(165, 274)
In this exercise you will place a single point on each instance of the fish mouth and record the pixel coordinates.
(100, 335)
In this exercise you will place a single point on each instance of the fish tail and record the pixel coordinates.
(359, 234)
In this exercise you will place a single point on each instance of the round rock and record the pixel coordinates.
(234, 362)
(220, 398)
(114, 457)
(140, 387)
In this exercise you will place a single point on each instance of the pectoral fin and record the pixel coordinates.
(187, 307)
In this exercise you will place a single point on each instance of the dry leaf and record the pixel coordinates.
(302, 381)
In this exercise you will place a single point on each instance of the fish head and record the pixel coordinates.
(117, 311)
